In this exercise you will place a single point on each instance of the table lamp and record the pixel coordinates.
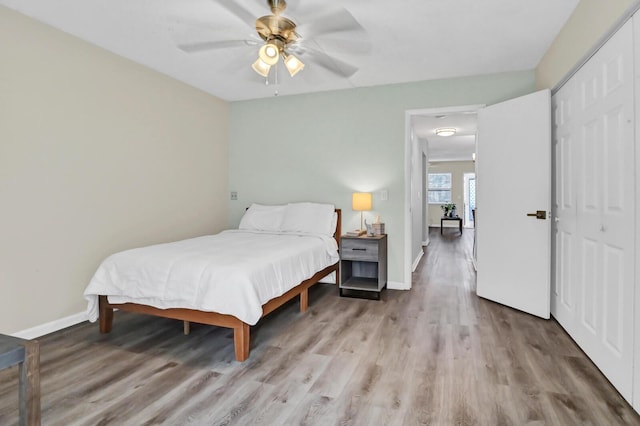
(361, 201)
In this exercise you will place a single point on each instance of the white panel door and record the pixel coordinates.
(563, 291)
(514, 181)
(595, 209)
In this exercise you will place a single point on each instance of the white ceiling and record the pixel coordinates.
(458, 147)
(411, 40)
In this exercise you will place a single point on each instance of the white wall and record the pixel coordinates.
(589, 22)
(97, 154)
(324, 146)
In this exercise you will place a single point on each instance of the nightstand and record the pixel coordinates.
(363, 265)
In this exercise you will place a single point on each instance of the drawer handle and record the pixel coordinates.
(360, 249)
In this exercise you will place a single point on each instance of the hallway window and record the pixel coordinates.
(439, 188)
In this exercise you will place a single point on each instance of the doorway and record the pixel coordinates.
(416, 228)
(501, 123)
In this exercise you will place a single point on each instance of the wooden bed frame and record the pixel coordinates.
(240, 328)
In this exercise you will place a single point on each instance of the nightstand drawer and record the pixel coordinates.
(359, 249)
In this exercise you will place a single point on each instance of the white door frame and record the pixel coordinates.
(467, 208)
(408, 155)
(425, 190)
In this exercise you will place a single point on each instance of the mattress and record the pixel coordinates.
(234, 272)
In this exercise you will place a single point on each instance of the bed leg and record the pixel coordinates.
(304, 300)
(106, 315)
(186, 325)
(241, 341)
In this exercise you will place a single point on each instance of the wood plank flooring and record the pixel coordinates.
(435, 355)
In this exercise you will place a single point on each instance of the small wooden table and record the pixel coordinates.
(458, 218)
(26, 353)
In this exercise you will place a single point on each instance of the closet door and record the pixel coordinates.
(636, 369)
(595, 209)
(565, 135)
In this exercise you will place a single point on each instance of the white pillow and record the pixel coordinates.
(334, 223)
(262, 218)
(310, 218)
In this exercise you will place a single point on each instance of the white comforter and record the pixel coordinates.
(234, 272)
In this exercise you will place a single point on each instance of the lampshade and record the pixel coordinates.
(269, 54)
(446, 131)
(261, 67)
(361, 201)
(293, 64)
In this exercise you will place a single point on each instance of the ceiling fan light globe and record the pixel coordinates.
(269, 54)
(271, 51)
(261, 67)
(293, 64)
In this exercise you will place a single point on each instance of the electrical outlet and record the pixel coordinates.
(384, 195)
(234, 195)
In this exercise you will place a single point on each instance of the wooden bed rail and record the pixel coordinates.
(241, 334)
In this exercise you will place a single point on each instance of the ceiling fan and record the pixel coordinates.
(278, 38)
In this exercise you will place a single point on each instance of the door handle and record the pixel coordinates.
(540, 214)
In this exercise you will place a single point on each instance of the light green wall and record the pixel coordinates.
(97, 154)
(323, 146)
(457, 170)
(591, 20)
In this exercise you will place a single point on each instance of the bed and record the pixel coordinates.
(231, 279)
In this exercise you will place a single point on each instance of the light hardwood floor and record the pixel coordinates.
(434, 355)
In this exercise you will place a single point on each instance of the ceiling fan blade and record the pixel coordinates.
(330, 63)
(236, 8)
(342, 45)
(212, 45)
(307, 10)
(340, 20)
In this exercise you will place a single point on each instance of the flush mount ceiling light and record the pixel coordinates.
(446, 131)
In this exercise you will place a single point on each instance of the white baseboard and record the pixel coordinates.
(394, 285)
(50, 327)
(425, 243)
(416, 261)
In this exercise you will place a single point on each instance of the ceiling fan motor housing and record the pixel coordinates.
(276, 28)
